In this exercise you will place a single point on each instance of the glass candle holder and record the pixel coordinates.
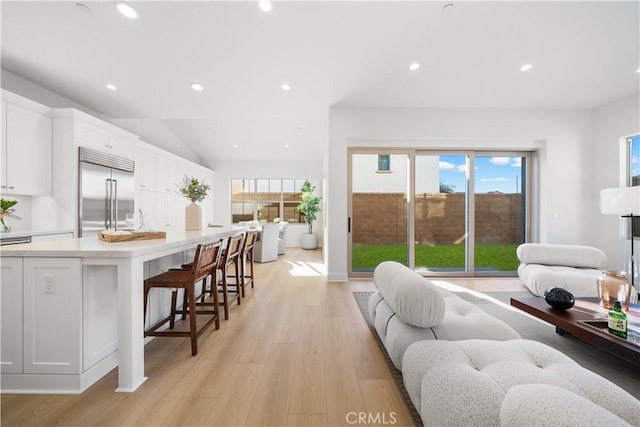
(614, 286)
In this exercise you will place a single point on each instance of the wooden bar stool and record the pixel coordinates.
(246, 259)
(205, 263)
(230, 256)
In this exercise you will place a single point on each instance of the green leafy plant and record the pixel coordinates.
(310, 204)
(7, 203)
(192, 189)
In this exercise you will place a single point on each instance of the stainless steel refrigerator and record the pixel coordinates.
(106, 191)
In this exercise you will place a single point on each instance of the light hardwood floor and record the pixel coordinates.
(296, 352)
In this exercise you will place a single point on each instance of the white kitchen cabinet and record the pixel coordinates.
(169, 210)
(11, 315)
(146, 202)
(99, 314)
(104, 137)
(145, 174)
(168, 174)
(26, 147)
(52, 316)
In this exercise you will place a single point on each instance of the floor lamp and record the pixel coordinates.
(623, 201)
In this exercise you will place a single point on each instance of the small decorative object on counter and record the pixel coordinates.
(195, 191)
(618, 321)
(559, 298)
(614, 286)
(6, 210)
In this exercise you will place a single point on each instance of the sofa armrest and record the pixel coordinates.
(565, 255)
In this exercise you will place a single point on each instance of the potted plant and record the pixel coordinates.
(195, 191)
(309, 207)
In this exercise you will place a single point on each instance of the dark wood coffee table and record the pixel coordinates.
(587, 321)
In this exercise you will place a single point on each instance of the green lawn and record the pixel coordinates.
(446, 257)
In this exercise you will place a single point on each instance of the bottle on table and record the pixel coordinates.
(618, 321)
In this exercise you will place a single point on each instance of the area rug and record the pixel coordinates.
(625, 374)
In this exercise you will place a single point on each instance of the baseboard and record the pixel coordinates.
(337, 277)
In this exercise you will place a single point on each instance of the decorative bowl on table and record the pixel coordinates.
(559, 298)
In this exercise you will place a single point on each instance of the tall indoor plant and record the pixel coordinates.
(195, 191)
(310, 207)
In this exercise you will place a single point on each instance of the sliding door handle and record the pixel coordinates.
(349, 225)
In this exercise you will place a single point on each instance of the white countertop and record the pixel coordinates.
(91, 247)
(27, 233)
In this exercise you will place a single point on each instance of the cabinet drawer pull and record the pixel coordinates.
(11, 187)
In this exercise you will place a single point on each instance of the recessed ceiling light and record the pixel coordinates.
(127, 10)
(197, 86)
(414, 66)
(265, 5)
(83, 8)
(526, 67)
(638, 70)
(285, 87)
(111, 87)
(235, 145)
(286, 145)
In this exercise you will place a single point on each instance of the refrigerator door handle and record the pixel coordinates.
(115, 204)
(109, 213)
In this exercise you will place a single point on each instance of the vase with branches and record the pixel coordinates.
(196, 191)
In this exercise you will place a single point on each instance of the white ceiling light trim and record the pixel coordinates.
(414, 66)
(265, 5)
(197, 87)
(526, 67)
(111, 87)
(285, 87)
(127, 10)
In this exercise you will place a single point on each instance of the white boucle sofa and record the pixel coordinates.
(409, 308)
(509, 383)
(572, 267)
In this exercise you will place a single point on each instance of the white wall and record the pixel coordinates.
(225, 171)
(612, 123)
(369, 180)
(562, 137)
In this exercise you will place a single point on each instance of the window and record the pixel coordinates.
(634, 160)
(384, 163)
(265, 199)
(633, 176)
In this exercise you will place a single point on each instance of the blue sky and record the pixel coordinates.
(635, 156)
(502, 174)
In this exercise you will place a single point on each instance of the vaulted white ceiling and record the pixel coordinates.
(331, 53)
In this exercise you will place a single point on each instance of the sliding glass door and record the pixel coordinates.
(441, 224)
(379, 206)
(441, 212)
(499, 211)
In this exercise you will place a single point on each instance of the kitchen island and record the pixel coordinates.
(72, 310)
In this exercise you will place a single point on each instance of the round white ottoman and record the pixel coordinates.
(461, 383)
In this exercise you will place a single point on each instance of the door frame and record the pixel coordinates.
(528, 200)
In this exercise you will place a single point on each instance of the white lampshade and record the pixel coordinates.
(620, 201)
